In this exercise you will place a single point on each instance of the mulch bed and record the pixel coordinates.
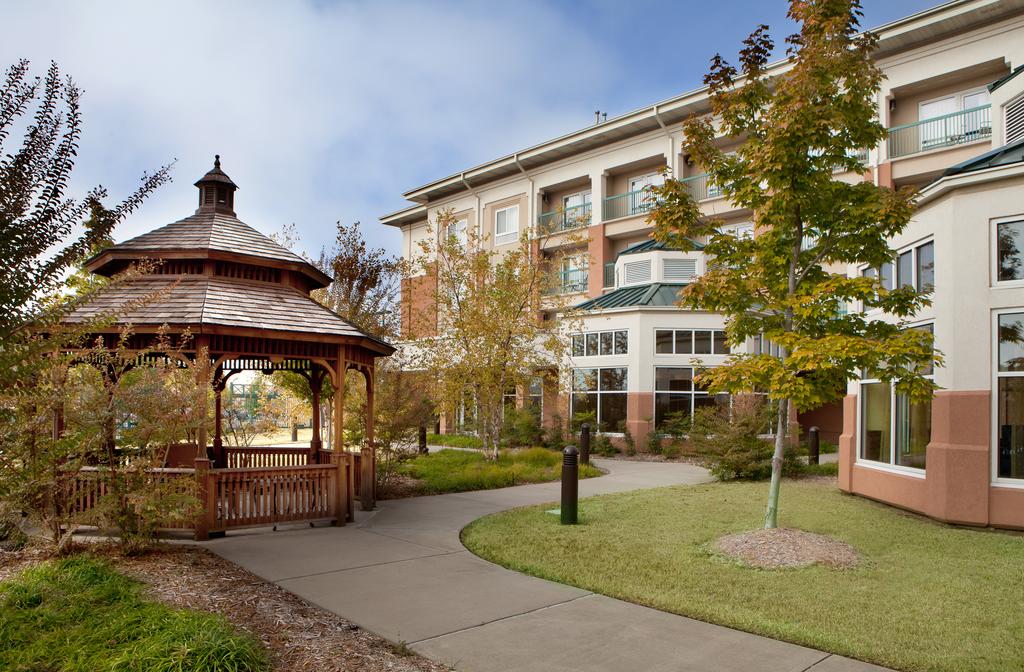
(297, 635)
(785, 548)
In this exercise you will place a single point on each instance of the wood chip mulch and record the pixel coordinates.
(297, 635)
(785, 548)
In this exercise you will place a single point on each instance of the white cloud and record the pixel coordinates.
(321, 111)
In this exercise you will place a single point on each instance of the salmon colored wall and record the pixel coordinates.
(639, 410)
(419, 311)
(828, 419)
(599, 248)
(956, 486)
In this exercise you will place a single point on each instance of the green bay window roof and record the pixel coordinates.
(651, 245)
(658, 294)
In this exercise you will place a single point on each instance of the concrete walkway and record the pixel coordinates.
(402, 573)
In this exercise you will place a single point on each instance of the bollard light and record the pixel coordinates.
(813, 446)
(585, 443)
(570, 485)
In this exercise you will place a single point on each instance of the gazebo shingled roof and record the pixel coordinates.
(244, 299)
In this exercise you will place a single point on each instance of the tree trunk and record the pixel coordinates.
(771, 517)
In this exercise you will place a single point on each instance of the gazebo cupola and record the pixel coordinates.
(216, 191)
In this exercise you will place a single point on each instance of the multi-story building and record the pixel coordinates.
(949, 97)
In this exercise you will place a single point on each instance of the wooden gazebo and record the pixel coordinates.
(245, 301)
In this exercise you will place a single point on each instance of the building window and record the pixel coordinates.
(690, 342)
(535, 396)
(677, 397)
(601, 392)
(895, 430)
(641, 196)
(506, 225)
(597, 343)
(1010, 396)
(915, 267)
(1010, 251)
(459, 230)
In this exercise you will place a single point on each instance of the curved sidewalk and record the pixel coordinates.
(402, 573)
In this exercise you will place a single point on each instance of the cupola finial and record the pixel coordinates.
(216, 191)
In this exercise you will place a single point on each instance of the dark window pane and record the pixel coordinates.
(584, 379)
(704, 401)
(591, 345)
(613, 380)
(929, 369)
(702, 342)
(905, 270)
(669, 407)
(684, 342)
(721, 346)
(673, 379)
(663, 342)
(612, 414)
(607, 343)
(1011, 342)
(868, 273)
(1010, 421)
(913, 431)
(621, 342)
(1009, 250)
(885, 275)
(577, 345)
(584, 403)
(876, 439)
(926, 267)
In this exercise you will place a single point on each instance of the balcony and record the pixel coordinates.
(572, 281)
(628, 204)
(700, 187)
(949, 130)
(567, 219)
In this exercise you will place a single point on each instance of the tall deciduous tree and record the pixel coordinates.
(44, 232)
(491, 339)
(799, 130)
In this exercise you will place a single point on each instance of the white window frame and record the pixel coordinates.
(994, 478)
(912, 248)
(654, 349)
(994, 280)
(459, 229)
(597, 411)
(510, 235)
(890, 466)
(958, 96)
(583, 335)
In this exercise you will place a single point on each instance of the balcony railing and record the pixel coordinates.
(570, 218)
(609, 274)
(630, 203)
(569, 282)
(700, 187)
(948, 130)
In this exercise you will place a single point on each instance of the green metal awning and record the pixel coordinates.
(658, 294)
(650, 245)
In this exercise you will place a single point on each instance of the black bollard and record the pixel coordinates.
(585, 443)
(570, 485)
(423, 440)
(813, 446)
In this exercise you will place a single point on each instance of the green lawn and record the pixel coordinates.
(79, 615)
(925, 596)
(461, 470)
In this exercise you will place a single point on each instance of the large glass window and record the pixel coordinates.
(603, 393)
(1010, 251)
(895, 430)
(677, 396)
(506, 224)
(690, 342)
(596, 343)
(914, 268)
(1010, 397)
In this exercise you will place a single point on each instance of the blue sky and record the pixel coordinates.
(328, 110)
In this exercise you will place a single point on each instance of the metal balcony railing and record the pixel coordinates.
(949, 130)
(566, 219)
(701, 188)
(630, 203)
(569, 282)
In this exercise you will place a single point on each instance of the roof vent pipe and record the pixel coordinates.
(597, 117)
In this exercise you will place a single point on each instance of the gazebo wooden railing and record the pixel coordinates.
(234, 497)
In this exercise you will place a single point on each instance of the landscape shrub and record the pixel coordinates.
(628, 443)
(554, 436)
(460, 470)
(730, 441)
(521, 428)
(602, 445)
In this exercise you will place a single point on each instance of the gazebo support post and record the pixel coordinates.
(368, 457)
(220, 381)
(316, 382)
(202, 364)
(345, 512)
